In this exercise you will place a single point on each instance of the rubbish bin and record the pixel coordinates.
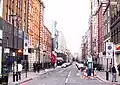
(107, 75)
(5, 79)
(5, 75)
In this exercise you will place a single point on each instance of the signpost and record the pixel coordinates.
(109, 49)
(109, 54)
(25, 51)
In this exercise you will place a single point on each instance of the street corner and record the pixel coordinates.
(107, 82)
(24, 82)
(101, 79)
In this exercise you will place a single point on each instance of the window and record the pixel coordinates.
(118, 37)
(1, 7)
(9, 17)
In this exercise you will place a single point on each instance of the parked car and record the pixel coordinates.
(65, 65)
(80, 66)
(60, 61)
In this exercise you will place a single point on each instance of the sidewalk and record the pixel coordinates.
(30, 76)
(102, 76)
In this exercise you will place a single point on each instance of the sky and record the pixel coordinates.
(72, 17)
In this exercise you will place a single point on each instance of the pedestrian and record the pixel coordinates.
(34, 66)
(119, 69)
(110, 67)
(114, 74)
(38, 67)
(19, 70)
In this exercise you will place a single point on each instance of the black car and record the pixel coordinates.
(59, 62)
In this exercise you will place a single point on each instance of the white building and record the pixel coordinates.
(61, 42)
(94, 28)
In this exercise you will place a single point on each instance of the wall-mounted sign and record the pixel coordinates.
(109, 47)
(117, 47)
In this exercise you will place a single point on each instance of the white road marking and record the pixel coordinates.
(67, 77)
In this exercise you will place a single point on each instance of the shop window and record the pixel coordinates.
(119, 36)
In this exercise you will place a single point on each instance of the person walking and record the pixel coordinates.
(34, 66)
(19, 70)
(38, 67)
(114, 74)
(110, 67)
(118, 69)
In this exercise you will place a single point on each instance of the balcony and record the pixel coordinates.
(107, 36)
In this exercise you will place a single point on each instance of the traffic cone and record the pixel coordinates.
(85, 74)
(92, 75)
(95, 72)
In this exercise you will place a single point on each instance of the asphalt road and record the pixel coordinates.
(65, 76)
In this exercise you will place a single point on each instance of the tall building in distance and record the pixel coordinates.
(61, 42)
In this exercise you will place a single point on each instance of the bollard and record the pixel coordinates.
(95, 72)
(107, 75)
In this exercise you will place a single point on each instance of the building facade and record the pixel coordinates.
(33, 30)
(115, 28)
(61, 42)
(42, 45)
(83, 48)
(94, 30)
(47, 44)
(13, 18)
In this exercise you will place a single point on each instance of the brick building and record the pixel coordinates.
(33, 22)
(42, 36)
(47, 43)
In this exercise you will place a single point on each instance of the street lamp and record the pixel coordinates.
(15, 66)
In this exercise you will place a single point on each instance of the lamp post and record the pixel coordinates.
(15, 67)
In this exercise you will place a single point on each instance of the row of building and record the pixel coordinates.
(23, 34)
(104, 27)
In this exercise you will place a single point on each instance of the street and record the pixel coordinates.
(64, 76)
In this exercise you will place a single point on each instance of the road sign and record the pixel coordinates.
(26, 44)
(109, 47)
(6, 50)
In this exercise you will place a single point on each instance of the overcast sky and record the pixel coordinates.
(72, 18)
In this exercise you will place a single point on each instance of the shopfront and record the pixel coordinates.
(12, 42)
(117, 52)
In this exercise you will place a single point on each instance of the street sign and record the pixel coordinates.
(26, 44)
(25, 51)
(6, 50)
(109, 47)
